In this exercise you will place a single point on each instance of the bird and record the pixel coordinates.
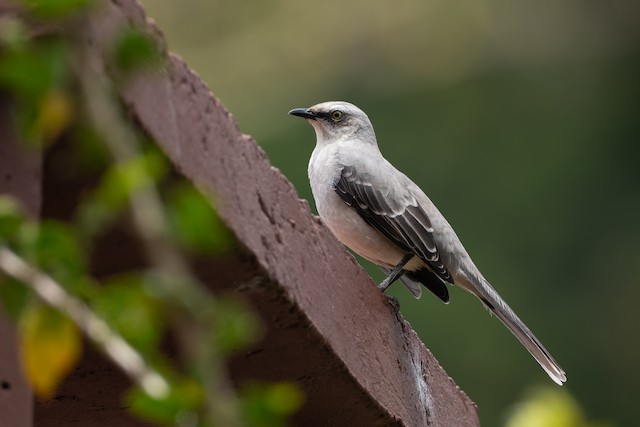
(382, 215)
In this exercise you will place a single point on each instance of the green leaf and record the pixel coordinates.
(123, 179)
(184, 398)
(53, 247)
(24, 72)
(269, 405)
(14, 296)
(90, 153)
(104, 205)
(36, 74)
(50, 346)
(134, 50)
(194, 222)
(235, 325)
(125, 305)
(32, 69)
(56, 8)
(11, 217)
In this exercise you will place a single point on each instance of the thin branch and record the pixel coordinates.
(96, 329)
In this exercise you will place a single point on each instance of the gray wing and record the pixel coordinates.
(403, 221)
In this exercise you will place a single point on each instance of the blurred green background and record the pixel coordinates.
(519, 119)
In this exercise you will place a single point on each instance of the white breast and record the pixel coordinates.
(343, 220)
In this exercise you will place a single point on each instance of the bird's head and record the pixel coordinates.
(337, 120)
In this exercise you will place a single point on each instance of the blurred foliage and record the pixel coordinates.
(135, 50)
(50, 347)
(53, 9)
(194, 223)
(266, 405)
(549, 407)
(139, 317)
(44, 71)
(237, 329)
(51, 246)
(103, 206)
(37, 74)
(521, 122)
(179, 406)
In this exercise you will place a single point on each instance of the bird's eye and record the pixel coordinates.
(336, 115)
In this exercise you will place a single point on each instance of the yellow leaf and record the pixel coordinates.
(54, 116)
(50, 345)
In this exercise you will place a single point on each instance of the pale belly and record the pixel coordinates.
(345, 223)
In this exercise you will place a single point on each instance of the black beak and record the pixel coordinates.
(303, 112)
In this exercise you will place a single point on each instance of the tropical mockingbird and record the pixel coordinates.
(382, 215)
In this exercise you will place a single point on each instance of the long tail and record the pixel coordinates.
(483, 290)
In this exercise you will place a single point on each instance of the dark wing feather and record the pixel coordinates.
(407, 226)
(348, 192)
(430, 281)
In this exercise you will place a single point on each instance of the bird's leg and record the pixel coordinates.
(396, 273)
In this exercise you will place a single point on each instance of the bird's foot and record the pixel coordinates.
(396, 273)
(385, 283)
